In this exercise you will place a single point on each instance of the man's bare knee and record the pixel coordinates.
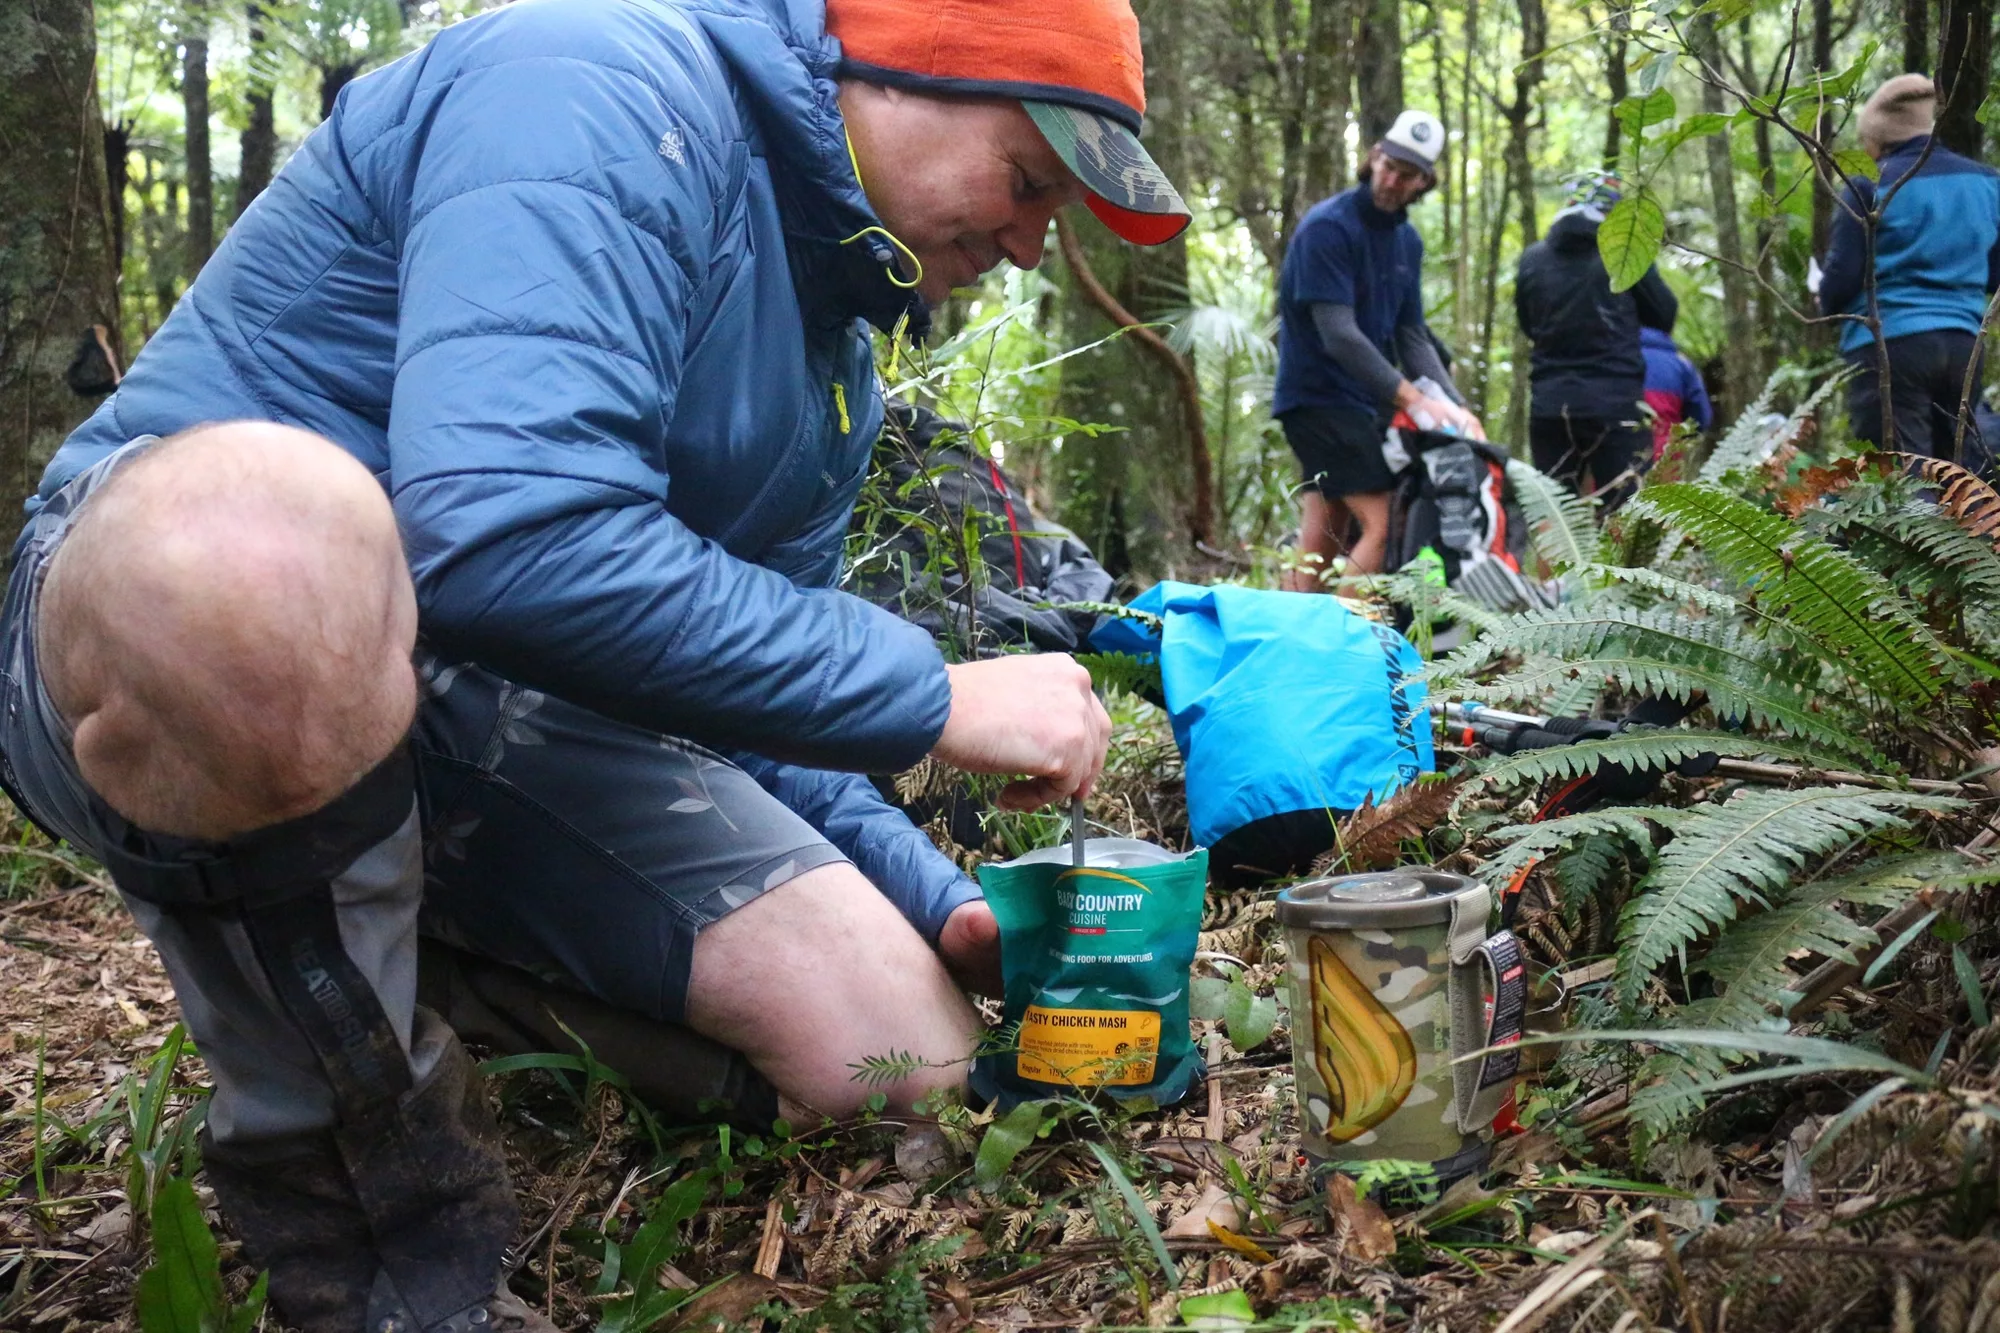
(821, 973)
(227, 629)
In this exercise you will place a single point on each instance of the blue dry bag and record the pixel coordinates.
(1290, 711)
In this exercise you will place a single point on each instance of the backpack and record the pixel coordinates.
(1453, 500)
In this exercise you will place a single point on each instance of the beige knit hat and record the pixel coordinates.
(1902, 108)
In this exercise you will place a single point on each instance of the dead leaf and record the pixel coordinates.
(728, 1305)
(1366, 1229)
(1214, 1206)
(1243, 1245)
(923, 1153)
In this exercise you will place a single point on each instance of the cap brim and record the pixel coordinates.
(1128, 191)
(1427, 165)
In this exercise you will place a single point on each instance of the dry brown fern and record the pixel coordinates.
(1372, 837)
(1971, 502)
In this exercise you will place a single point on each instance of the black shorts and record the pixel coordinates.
(1339, 450)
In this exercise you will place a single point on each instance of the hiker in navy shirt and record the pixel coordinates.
(1673, 388)
(1351, 313)
(1937, 256)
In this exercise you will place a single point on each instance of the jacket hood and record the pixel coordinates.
(1573, 231)
(782, 62)
(1657, 340)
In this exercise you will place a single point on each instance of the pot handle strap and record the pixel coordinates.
(1487, 991)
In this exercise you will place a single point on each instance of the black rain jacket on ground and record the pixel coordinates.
(1586, 360)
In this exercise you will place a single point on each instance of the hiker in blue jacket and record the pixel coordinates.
(499, 602)
(1674, 390)
(1937, 257)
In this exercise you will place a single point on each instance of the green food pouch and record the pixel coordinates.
(1096, 961)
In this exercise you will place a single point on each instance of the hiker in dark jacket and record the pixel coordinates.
(1587, 374)
(1674, 390)
(1937, 257)
(550, 351)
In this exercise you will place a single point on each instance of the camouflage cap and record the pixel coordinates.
(1128, 191)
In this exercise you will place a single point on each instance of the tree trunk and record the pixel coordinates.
(1917, 36)
(1965, 31)
(1328, 75)
(1520, 116)
(57, 273)
(200, 179)
(117, 172)
(331, 80)
(1379, 67)
(1126, 384)
(1740, 335)
(1822, 63)
(260, 135)
(1618, 85)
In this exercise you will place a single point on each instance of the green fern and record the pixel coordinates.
(1749, 961)
(1846, 609)
(1746, 848)
(1562, 523)
(1528, 843)
(1749, 441)
(1641, 750)
(1662, 653)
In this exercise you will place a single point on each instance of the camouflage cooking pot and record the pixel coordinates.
(1392, 976)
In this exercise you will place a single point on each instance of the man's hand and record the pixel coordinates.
(970, 947)
(1032, 715)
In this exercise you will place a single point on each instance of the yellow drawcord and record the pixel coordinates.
(840, 406)
(909, 254)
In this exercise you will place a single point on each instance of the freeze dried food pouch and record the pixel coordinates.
(1096, 962)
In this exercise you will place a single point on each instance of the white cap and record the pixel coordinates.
(1417, 138)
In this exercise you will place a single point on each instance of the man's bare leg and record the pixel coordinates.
(1371, 511)
(1323, 526)
(819, 973)
(227, 630)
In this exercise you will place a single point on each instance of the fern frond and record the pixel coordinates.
(1970, 500)
(1671, 589)
(1749, 442)
(1672, 1083)
(1748, 960)
(1528, 843)
(1587, 866)
(1640, 750)
(1746, 848)
(1848, 610)
(1925, 554)
(1660, 652)
(1562, 523)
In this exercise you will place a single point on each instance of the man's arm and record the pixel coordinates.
(1695, 395)
(546, 281)
(1340, 336)
(1658, 306)
(895, 855)
(1420, 358)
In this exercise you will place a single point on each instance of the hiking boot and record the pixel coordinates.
(502, 1312)
(400, 1213)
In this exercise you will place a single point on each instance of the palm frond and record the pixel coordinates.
(1562, 523)
(1829, 597)
(1746, 848)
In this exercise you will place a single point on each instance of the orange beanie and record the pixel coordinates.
(1082, 53)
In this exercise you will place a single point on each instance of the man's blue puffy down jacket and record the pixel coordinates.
(583, 283)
